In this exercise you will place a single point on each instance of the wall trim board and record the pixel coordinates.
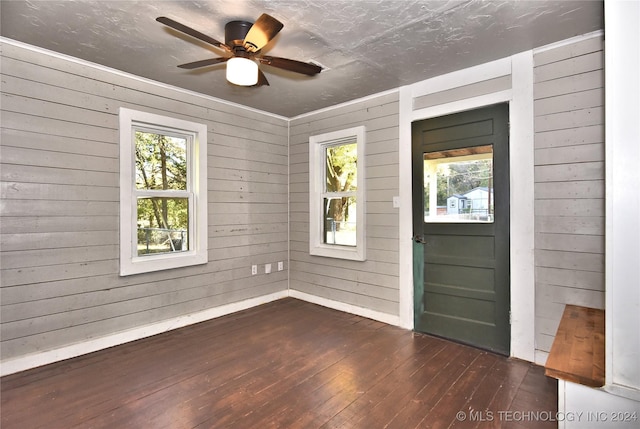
(22, 363)
(288, 206)
(135, 77)
(347, 308)
(522, 234)
(405, 241)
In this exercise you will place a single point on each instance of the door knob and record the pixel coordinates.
(419, 239)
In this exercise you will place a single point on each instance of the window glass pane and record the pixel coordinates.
(163, 225)
(161, 161)
(340, 221)
(458, 185)
(342, 169)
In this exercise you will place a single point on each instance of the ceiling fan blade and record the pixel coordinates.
(291, 65)
(203, 63)
(262, 79)
(191, 32)
(262, 31)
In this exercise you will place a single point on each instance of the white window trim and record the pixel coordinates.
(130, 263)
(317, 170)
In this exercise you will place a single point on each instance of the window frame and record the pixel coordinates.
(130, 263)
(317, 181)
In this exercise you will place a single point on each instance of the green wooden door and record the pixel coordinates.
(461, 227)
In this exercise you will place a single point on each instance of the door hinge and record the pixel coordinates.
(510, 320)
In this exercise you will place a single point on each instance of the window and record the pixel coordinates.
(458, 185)
(163, 193)
(337, 194)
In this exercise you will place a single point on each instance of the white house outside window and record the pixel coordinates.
(337, 196)
(163, 217)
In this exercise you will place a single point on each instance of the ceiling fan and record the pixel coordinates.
(243, 41)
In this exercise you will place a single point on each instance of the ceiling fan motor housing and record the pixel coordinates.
(235, 33)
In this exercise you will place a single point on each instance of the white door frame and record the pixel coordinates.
(521, 146)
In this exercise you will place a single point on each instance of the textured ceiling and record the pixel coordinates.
(367, 46)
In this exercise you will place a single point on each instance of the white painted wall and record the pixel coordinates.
(583, 407)
(622, 21)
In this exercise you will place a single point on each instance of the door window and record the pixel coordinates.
(458, 185)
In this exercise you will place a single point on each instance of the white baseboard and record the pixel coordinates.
(347, 308)
(38, 359)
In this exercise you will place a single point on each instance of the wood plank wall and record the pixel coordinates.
(569, 183)
(372, 284)
(59, 189)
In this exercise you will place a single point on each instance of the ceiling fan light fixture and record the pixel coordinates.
(242, 71)
(243, 41)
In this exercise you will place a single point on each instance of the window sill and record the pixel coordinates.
(338, 252)
(142, 265)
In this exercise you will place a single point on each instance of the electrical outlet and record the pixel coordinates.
(267, 268)
(254, 270)
(280, 266)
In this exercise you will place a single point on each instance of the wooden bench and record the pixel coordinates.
(577, 353)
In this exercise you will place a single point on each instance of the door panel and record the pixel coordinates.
(461, 215)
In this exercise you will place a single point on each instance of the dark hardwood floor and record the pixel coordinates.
(287, 364)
